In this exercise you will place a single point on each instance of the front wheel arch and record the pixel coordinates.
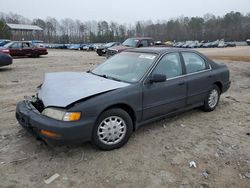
(124, 107)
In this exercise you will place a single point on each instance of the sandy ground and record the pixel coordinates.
(157, 155)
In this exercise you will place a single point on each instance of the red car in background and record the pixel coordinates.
(130, 43)
(23, 48)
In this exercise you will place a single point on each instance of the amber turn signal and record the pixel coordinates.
(72, 116)
(50, 134)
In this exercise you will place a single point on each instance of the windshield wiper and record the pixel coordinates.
(101, 75)
(116, 79)
(105, 76)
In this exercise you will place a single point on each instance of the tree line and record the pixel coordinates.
(233, 26)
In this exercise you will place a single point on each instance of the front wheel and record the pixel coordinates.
(35, 55)
(112, 130)
(212, 99)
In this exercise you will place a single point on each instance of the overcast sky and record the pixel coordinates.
(122, 11)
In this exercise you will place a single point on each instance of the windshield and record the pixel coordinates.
(126, 66)
(8, 45)
(130, 42)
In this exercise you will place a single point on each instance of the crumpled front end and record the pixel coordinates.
(64, 88)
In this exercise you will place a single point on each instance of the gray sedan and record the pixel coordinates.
(132, 88)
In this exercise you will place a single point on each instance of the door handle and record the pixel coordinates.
(181, 83)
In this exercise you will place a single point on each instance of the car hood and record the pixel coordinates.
(120, 48)
(64, 88)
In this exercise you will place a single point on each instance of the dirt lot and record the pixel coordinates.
(157, 155)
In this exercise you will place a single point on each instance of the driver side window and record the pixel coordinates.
(169, 65)
(17, 45)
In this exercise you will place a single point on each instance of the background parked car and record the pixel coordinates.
(231, 44)
(131, 43)
(5, 59)
(88, 47)
(222, 44)
(23, 48)
(248, 41)
(102, 50)
(75, 47)
(4, 41)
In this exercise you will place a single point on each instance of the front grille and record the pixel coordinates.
(111, 52)
(38, 104)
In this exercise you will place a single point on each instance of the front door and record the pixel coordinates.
(165, 97)
(16, 49)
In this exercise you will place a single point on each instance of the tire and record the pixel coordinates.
(122, 122)
(35, 55)
(212, 99)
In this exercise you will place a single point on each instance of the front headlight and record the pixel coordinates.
(61, 115)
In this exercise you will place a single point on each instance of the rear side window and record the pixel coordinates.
(193, 62)
(26, 45)
(151, 43)
(144, 43)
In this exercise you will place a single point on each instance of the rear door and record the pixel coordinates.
(165, 97)
(198, 77)
(27, 50)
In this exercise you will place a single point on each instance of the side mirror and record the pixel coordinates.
(158, 78)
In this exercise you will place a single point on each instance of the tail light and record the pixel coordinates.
(6, 51)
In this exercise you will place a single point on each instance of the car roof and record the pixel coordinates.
(140, 38)
(23, 41)
(158, 50)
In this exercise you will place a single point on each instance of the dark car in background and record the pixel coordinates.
(23, 48)
(102, 50)
(5, 59)
(131, 43)
(230, 44)
(88, 47)
(130, 89)
(248, 41)
(3, 42)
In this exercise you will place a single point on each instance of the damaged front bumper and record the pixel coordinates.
(52, 130)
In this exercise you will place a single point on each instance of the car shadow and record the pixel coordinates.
(5, 69)
(23, 57)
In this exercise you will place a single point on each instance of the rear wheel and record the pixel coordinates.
(212, 99)
(112, 130)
